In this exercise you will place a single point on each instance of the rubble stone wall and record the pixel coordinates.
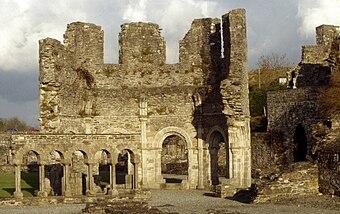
(287, 109)
(329, 170)
(135, 105)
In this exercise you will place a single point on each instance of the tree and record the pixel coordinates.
(265, 78)
(13, 123)
(274, 60)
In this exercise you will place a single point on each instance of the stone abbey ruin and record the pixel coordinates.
(144, 124)
(142, 119)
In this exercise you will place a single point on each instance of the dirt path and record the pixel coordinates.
(196, 201)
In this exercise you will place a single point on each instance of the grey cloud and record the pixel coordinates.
(18, 87)
(273, 26)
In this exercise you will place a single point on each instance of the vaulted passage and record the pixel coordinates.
(174, 159)
(300, 144)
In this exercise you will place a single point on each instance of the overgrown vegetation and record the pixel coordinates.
(274, 60)
(328, 101)
(261, 80)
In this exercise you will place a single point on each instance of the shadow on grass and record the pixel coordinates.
(9, 190)
(29, 192)
(30, 183)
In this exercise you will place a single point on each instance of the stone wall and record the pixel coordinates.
(88, 106)
(234, 91)
(329, 169)
(288, 109)
(262, 152)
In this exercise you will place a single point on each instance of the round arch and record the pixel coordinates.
(216, 129)
(168, 131)
(218, 157)
(19, 155)
(158, 143)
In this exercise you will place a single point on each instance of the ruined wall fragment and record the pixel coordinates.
(234, 91)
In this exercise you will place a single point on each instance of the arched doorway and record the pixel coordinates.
(219, 157)
(54, 174)
(30, 174)
(300, 144)
(174, 159)
(126, 170)
(102, 173)
(78, 173)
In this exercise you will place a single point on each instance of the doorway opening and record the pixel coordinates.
(174, 159)
(219, 158)
(300, 144)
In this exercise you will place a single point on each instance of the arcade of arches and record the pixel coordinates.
(75, 165)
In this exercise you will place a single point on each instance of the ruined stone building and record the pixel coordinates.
(142, 118)
(294, 114)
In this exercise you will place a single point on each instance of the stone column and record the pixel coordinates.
(214, 165)
(143, 117)
(90, 186)
(66, 180)
(239, 138)
(135, 179)
(113, 187)
(18, 193)
(42, 192)
(200, 157)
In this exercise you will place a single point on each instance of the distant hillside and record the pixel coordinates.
(268, 76)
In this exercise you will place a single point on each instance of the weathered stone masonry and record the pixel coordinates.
(290, 110)
(89, 106)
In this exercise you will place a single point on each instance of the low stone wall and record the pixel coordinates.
(262, 155)
(300, 179)
(131, 195)
(329, 170)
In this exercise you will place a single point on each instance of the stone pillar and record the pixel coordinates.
(42, 192)
(143, 114)
(239, 140)
(66, 180)
(135, 179)
(18, 193)
(113, 188)
(90, 180)
(214, 165)
(200, 157)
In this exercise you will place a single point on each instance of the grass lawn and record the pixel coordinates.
(29, 184)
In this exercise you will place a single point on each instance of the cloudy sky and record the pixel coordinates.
(273, 26)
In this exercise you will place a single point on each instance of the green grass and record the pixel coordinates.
(29, 184)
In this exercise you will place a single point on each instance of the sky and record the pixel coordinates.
(273, 26)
